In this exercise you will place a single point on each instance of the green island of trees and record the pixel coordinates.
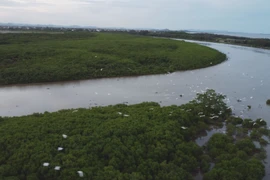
(41, 57)
(142, 141)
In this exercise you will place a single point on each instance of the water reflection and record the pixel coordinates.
(205, 136)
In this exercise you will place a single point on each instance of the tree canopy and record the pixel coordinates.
(41, 57)
(142, 141)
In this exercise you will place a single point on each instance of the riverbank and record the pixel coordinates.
(263, 43)
(37, 58)
(143, 141)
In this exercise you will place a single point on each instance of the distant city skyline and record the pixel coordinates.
(246, 16)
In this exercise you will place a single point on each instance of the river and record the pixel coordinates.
(243, 77)
(235, 34)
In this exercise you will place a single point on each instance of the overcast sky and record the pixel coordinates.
(231, 15)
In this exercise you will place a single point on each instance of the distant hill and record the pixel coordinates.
(44, 25)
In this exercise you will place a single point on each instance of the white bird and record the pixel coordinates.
(119, 113)
(109, 94)
(74, 111)
(60, 148)
(80, 173)
(200, 113)
(254, 124)
(261, 120)
(251, 97)
(64, 136)
(126, 115)
(101, 69)
(57, 168)
(96, 93)
(184, 127)
(202, 116)
(46, 164)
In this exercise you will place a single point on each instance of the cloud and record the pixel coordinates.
(173, 14)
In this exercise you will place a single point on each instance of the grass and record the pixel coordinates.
(37, 57)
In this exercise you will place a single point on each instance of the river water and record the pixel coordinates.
(244, 76)
(235, 34)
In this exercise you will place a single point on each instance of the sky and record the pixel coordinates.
(250, 16)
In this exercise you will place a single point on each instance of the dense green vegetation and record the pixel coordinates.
(268, 102)
(30, 58)
(243, 41)
(143, 141)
